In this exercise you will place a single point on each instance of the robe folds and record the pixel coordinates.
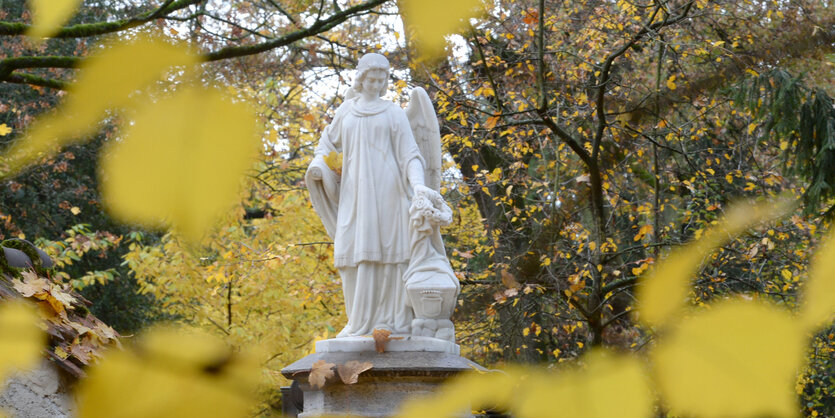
(366, 211)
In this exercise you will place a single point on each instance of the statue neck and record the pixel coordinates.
(367, 108)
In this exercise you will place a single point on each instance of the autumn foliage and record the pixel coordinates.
(596, 154)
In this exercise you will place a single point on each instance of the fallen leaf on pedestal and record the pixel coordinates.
(381, 339)
(350, 371)
(319, 373)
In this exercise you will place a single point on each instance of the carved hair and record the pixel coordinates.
(368, 63)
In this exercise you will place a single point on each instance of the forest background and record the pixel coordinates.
(584, 140)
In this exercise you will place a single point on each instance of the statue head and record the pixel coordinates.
(368, 63)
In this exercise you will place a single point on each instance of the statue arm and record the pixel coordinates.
(329, 142)
(415, 173)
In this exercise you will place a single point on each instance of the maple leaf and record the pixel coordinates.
(350, 371)
(80, 329)
(319, 373)
(63, 297)
(381, 339)
(81, 350)
(56, 304)
(31, 285)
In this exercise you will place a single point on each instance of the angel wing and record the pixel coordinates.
(427, 134)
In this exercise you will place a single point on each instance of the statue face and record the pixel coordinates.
(373, 83)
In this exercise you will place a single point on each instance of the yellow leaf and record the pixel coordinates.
(4, 130)
(619, 385)
(21, 340)
(75, 210)
(61, 353)
(787, 275)
(664, 288)
(491, 122)
(467, 390)
(334, 162)
(751, 127)
(671, 82)
(642, 232)
(49, 15)
(737, 359)
(103, 83)
(818, 304)
(175, 372)
(199, 144)
(430, 26)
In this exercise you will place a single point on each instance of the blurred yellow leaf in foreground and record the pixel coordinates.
(434, 19)
(819, 291)
(49, 15)
(108, 80)
(664, 289)
(21, 338)
(181, 161)
(609, 385)
(738, 358)
(173, 372)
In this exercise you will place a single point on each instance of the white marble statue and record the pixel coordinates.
(384, 211)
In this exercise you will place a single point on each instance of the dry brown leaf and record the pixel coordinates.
(350, 371)
(31, 284)
(81, 351)
(319, 373)
(381, 339)
(509, 280)
(62, 296)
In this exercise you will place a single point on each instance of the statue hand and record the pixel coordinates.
(315, 173)
(428, 208)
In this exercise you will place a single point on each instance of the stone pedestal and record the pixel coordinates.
(397, 375)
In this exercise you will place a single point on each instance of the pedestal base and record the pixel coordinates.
(397, 343)
(395, 378)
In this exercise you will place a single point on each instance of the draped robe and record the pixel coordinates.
(366, 212)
